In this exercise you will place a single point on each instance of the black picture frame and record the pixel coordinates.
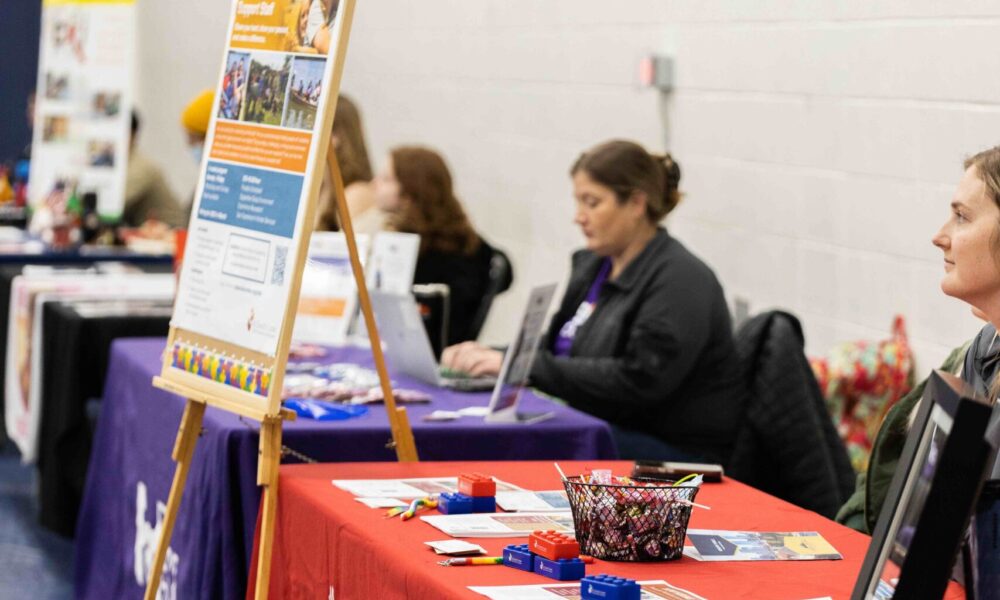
(932, 494)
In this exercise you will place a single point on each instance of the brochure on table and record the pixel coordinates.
(722, 546)
(526, 501)
(83, 102)
(417, 487)
(651, 590)
(24, 334)
(328, 296)
(501, 524)
(262, 167)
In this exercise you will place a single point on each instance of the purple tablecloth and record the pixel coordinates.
(131, 470)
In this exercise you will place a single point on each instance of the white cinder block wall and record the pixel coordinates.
(820, 141)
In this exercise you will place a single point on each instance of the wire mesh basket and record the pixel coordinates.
(639, 522)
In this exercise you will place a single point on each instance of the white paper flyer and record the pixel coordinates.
(500, 524)
(651, 590)
(548, 501)
(406, 488)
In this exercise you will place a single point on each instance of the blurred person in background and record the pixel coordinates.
(147, 195)
(415, 189)
(348, 140)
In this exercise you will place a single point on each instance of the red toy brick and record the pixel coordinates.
(477, 485)
(553, 545)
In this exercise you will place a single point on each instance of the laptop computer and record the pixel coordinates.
(517, 362)
(408, 348)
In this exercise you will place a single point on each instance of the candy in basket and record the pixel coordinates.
(627, 519)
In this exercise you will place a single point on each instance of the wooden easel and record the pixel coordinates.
(269, 454)
(202, 392)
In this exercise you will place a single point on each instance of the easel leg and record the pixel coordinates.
(268, 461)
(402, 434)
(187, 438)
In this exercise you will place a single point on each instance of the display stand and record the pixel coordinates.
(209, 371)
(234, 400)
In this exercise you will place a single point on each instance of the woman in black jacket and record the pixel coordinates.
(642, 338)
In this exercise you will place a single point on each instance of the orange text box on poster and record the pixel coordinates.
(265, 24)
(261, 146)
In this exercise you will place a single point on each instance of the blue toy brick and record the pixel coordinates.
(518, 556)
(609, 587)
(564, 569)
(453, 503)
(457, 503)
(483, 504)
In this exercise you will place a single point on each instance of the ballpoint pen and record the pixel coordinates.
(471, 561)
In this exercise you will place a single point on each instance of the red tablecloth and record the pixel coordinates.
(325, 539)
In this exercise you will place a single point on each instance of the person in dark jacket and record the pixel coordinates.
(414, 189)
(642, 337)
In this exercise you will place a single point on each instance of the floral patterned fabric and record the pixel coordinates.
(861, 381)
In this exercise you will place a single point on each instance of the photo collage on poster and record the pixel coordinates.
(280, 85)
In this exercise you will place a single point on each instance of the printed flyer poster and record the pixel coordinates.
(721, 546)
(262, 153)
(500, 524)
(82, 117)
(328, 295)
(651, 590)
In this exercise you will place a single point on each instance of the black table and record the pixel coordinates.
(76, 339)
(10, 268)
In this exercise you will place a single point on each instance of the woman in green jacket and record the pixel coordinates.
(970, 242)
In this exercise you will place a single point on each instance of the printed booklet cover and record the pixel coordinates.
(717, 545)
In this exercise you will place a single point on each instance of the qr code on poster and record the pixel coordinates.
(280, 258)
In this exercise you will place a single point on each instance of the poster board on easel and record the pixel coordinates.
(80, 140)
(253, 214)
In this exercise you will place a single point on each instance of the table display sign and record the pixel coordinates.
(393, 262)
(249, 233)
(949, 452)
(328, 297)
(82, 108)
(247, 240)
(264, 162)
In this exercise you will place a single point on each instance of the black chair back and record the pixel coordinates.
(501, 277)
(787, 445)
(434, 301)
